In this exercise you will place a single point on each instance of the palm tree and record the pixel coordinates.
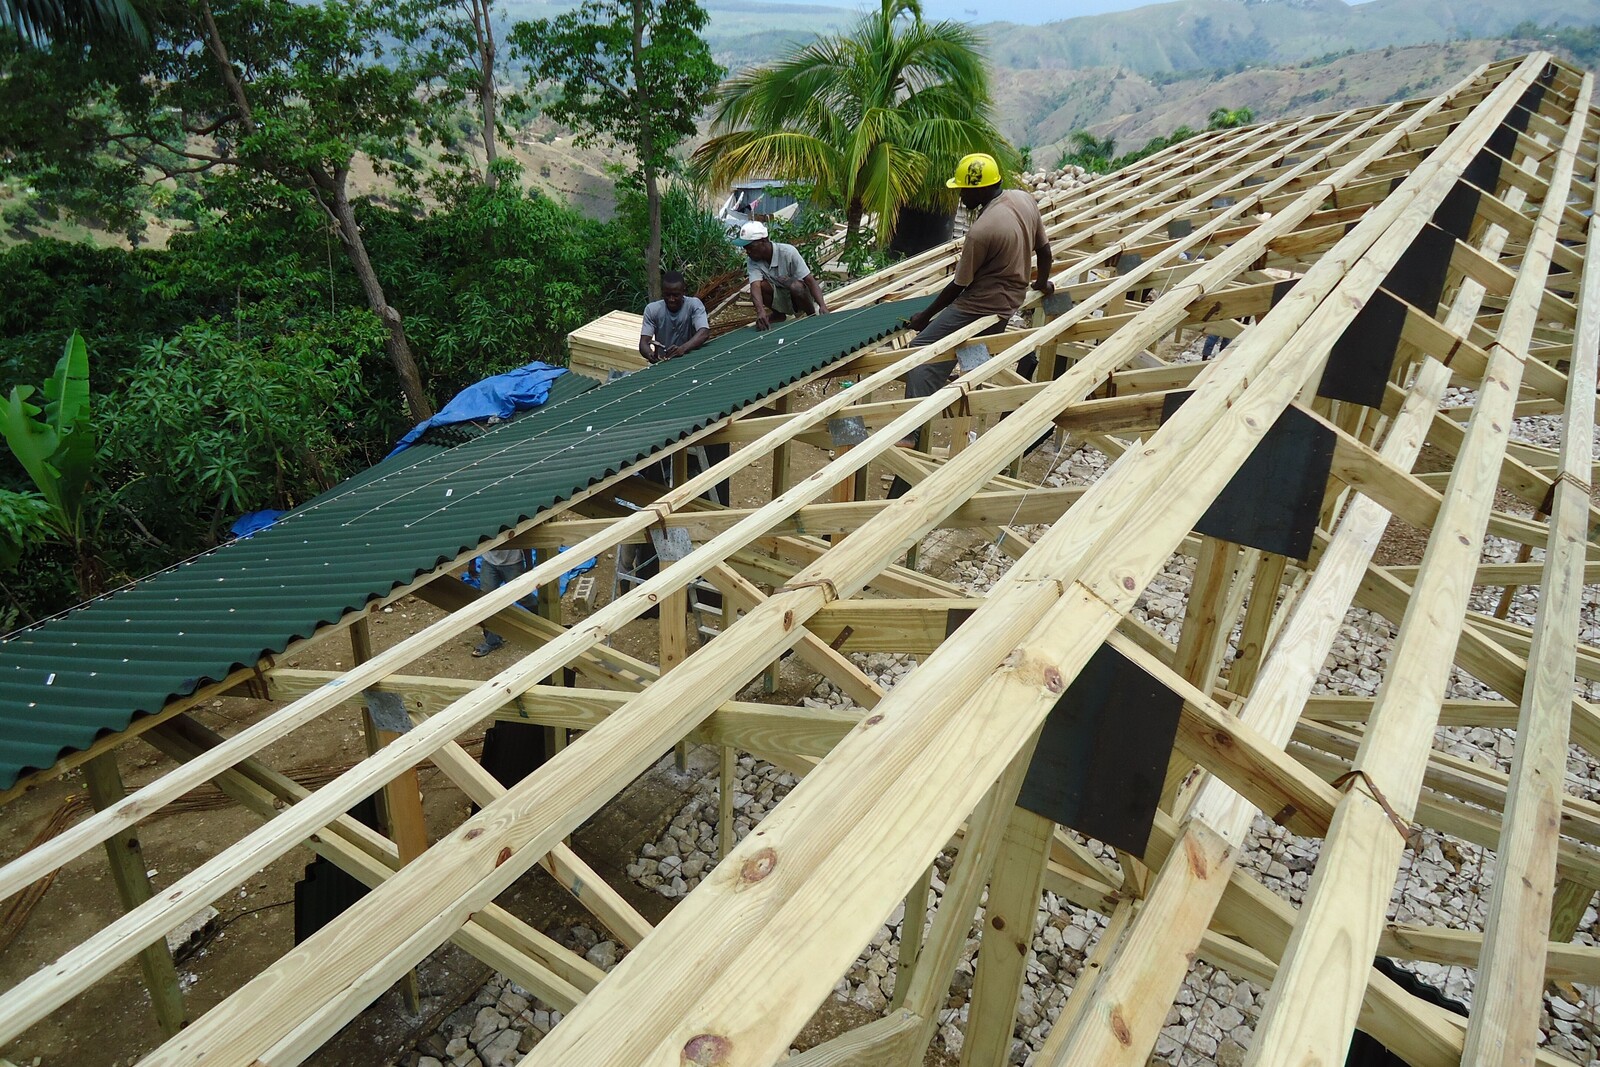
(1084, 149)
(39, 22)
(874, 119)
(1228, 118)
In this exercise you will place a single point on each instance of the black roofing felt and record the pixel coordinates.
(71, 679)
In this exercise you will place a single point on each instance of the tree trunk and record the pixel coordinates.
(336, 198)
(852, 222)
(332, 191)
(484, 28)
(652, 249)
(88, 573)
(647, 159)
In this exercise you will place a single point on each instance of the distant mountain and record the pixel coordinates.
(1195, 35)
(1041, 108)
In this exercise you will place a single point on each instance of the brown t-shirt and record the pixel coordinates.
(997, 259)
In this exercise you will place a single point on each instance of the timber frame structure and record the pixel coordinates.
(1291, 237)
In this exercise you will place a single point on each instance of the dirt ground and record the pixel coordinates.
(112, 1024)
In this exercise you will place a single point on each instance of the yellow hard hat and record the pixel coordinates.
(975, 171)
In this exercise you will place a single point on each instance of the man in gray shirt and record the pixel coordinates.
(780, 282)
(673, 325)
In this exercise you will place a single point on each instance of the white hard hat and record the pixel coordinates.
(750, 231)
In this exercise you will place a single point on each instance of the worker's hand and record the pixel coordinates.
(822, 309)
(920, 320)
(763, 320)
(1045, 286)
(673, 352)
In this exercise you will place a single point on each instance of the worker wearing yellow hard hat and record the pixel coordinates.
(977, 170)
(1003, 242)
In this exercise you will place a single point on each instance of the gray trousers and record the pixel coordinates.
(930, 377)
(492, 576)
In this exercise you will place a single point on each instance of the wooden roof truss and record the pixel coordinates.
(1218, 225)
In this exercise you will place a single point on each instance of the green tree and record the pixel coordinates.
(271, 101)
(39, 22)
(630, 72)
(1224, 118)
(209, 426)
(458, 39)
(876, 118)
(1084, 149)
(55, 445)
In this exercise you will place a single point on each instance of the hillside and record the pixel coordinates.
(1194, 35)
(1043, 107)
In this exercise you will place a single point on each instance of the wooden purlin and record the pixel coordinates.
(1339, 198)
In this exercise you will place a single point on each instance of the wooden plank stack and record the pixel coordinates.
(609, 343)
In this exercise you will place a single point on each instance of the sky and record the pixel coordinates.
(1024, 11)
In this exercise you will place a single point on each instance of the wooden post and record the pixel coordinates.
(1007, 938)
(399, 802)
(674, 621)
(1256, 631)
(133, 888)
(1205, 628)
(1524, 553)
(780, 485)
(911, 929)
(730, 770)
(780, 455)
(948, 935)
(845, 490)
(549, 607)
(1088, 980)
(1568, 906)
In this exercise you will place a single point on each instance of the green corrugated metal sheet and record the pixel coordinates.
(91, 671)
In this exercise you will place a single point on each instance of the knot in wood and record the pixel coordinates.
(706, 1050)
(759, 866)
(1120, 1029)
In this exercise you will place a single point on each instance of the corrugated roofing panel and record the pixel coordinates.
(69, 680)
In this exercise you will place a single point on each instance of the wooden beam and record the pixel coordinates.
(1008, 920)
(132, 881)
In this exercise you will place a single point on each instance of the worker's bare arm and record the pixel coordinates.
(1045, 262)
(946, 297)
(763, 316)
(816, 294)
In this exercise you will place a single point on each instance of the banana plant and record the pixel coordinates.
(55, 445)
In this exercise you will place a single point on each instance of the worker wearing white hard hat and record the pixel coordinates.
(780, 282)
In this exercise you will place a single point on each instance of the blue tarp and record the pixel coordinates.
(254, 522)
(498, 397)
(470, 576)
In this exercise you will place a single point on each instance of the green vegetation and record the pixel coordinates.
(262, 355)
(877, 118)
(1097, 155)
(54, 444)
(240, 367)
(629, 72)
(1581, 43)
(38, 22)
